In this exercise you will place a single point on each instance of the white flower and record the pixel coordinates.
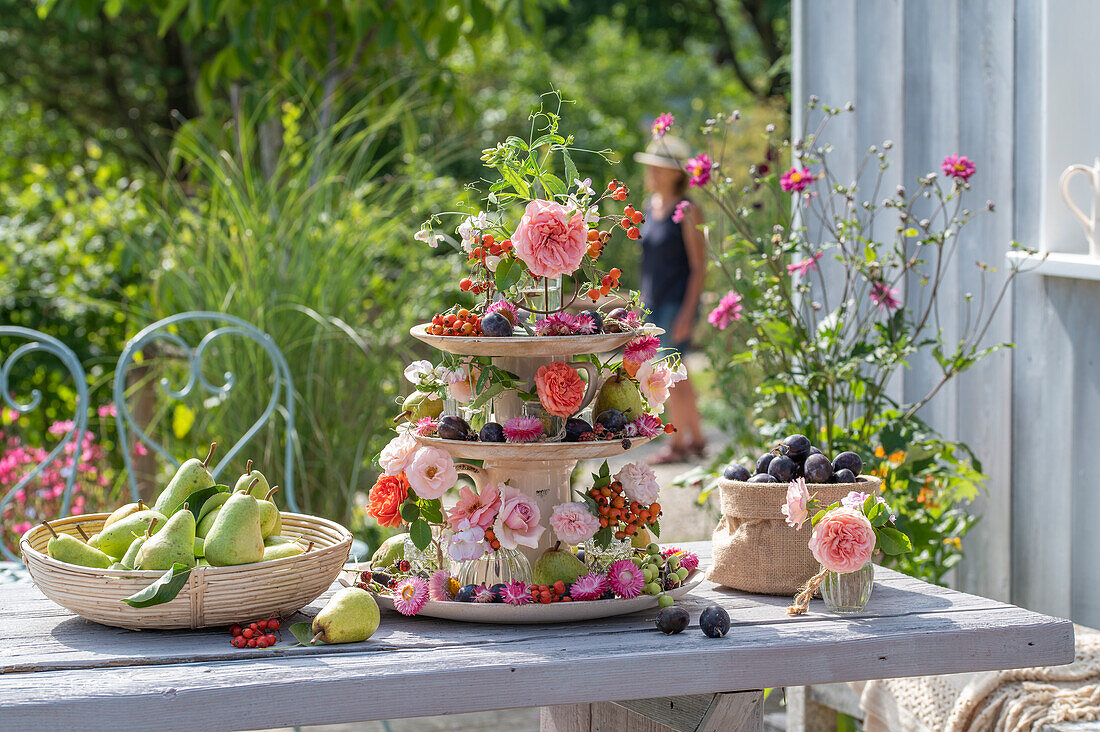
(491, 263)
(467, 545)
(591, 213)
(426, 236)
(471, 228)
(418, 372)
(680, 373)
(584, 186)
(639, 483)
(396, 455)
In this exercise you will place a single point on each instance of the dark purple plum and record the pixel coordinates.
(497, 326)
(491, 432)
(466, 594)
(453, 428)
(762, 478)
(736, 471)
(796, 447)
(818, 469)
(844, 476)
(763, 461)
(848, 460)
(672, 620)
(574, 428)
(782, 468)
(612, 420)
(714, 621)
(816, 451)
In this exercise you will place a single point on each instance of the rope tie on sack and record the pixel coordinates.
(802, 599)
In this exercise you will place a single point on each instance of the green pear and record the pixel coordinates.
(203, 527)
(642, 539)
(350, 616)
(271, 522)
(276, 540)
(192, 476)
(245, 481)
(123, 511)
(389, 551)
(174, 544)
(130, 556)
(117, 538)
(555, 565)
(419, 405)
(280, 551)
(119, 565)
(213, 503)
(619, 392)
(235, 536)
(66, 548)
(93, 541)
(200, 547)
(203, 563)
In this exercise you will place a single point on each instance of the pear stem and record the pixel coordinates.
(404, 415)
(316, 638)
(149, 531)
(141, 506)
(213, 447)
(251, 486)
(271, 493)
(248, 467)
(80, 530)
(47, 525)
(308, 548)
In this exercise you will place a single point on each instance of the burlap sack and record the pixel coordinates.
(754, 549)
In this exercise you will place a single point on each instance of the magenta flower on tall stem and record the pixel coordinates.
(698, 169)
(802, 267)
(796, 179)
(884, 296)
(728, 311)
(958, 167)
(662, 124)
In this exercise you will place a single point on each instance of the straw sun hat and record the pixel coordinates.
(665, 152)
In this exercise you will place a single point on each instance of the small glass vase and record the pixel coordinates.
(848, 594)
(553, 426)
(495, 567)
(422, 562)
(598, 559)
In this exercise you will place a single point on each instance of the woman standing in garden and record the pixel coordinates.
(673, 273)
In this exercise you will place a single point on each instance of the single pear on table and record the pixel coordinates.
(117, 538)
(258, 489)
(193, 475)
(350, 616)
(66, 548)
(235, 536)
(174, 544)
(123, 511)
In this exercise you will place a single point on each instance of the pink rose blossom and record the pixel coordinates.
(550, 239)
(398, 453)
(517, 520)
(803, 266)
(796, 509)
(639, 483)
(958, 166)
(431, 473)
(468, 545)
(698, 169)
(662, 124)
(795, 180)
(560, 388)
(843, 541)
(573, 523)
(884, 296)
(680, 211)
(475, 509)
(655, 381)
(728, 311)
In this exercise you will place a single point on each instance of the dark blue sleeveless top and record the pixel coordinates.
(665, 266)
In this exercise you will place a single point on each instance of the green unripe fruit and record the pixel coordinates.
(674, 562)
(653, 589)
(682, 573)
(639, 562)
(665, 601)
(653, 549)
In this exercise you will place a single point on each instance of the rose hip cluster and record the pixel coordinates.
(260, 634)
(615, 509)
(462, 323)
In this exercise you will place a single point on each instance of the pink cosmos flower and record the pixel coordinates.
(398, 453)
(698, 168)
(410, 595)
(589, 587)
(586, 324)
(796, 508)
(475, 509)
(728, 311)
(639, 483)
(639, 350)
(426, 426)
(442, 586)
(795, 180)
(680, 211)
(60, 428)
(625, 578)
(517, 593)
(505, 308)
(140, 449)
(467, 545)
(645, 426)
(804, 265)
(843, 541)
(517, 521)
(431, 472)
(655, 381)
(558, 324)
(550, 239)
(573, 523)
(884, 296)
(662, 124)
(958, 167)
(523, 429)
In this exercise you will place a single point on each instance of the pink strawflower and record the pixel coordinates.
(625, 578)
(475, 509)
(638, 351)
(574, 523)
(795, 180)
(680, 210)
(410, 595)
(958, 166)
(805, 265)
(699, 168)
(517, 593)
(728, 311)
(589, 587)
(689, 561)
(586, 324)
(426, 426)
(645, 426)
(505, 308)
(483, 594)
(558, 324)
(796, 507)
(523, 429)
(442, 586)
(884, 297)
(662, 124)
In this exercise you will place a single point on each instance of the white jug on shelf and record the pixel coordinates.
(1090, 221)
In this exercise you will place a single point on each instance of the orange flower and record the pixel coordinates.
(386, 497)
(880, 452)
(560, 388)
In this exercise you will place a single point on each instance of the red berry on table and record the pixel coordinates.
(271, 639)
(248, 633)
(235, 629)
(251, 642)
(261, 625)
(261, 642)
(273, 624)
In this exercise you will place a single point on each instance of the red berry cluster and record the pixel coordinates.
(491, 539)
(618, 191)
(547, 594)
(596, 240)
(255, 635)
(617, 511)
(630, 218)
(462, 323)
(609, 282)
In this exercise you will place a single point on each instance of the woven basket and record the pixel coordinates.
(212, 596)
(753, 548)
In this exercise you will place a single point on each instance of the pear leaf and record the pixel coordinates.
(304, 633)
(891, 541)
(163, 590)
(195, 500)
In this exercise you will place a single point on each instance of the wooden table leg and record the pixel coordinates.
(740, 711)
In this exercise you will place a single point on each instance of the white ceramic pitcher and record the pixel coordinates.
(1090, 221)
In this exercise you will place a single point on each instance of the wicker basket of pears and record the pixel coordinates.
(202, 555)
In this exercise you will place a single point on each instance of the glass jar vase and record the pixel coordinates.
(494, 567)
(553, 426)
(598, 558)
(848, 593)
(423, 562)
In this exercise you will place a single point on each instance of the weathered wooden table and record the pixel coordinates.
(58, 671)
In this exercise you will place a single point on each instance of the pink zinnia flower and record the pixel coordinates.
(523, 429)
(483, 594)
(517, 593)
(475, 509)
(442, 586)
(426, 426)
(410, 595)
(680, 210)
(728, 311)
(586, 324)
(796, 509)
(884, 296)
(662, 124)
(589, 587)
(795, 180)
(505, 308)
(625, 578)
(558, 324)
(958, 166)
(699, 168)
(574, 523)
(645, 426)
(638, 351)
(805, 265)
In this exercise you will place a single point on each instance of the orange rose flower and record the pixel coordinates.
(386, 497)
(560, 388)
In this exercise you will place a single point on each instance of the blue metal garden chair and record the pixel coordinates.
(41, 343)
(281, 400)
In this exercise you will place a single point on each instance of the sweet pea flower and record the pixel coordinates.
(426, 236)
(419, 371)
(855, 500)
(467, 545)
(431, 472)
(796, 508)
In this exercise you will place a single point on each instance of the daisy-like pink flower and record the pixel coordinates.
(689, 561)
(586, 324)
(517, 593)
(523, 429)
(589, 587)
(662, 124)
(409, 595)
(680, 210)
(884, 296)
(483, 594)
(728, 311)
(625, 578)
(645, 426)
(442, 586)
(426, 426)
(698, 168)
(505, 308)
(958, 167)
(638, 351)
(804, 265)
(558, 324)
(795, 180)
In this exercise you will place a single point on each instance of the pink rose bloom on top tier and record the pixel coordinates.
(517, 520)
(573, 523)
(843, 541)
(397, 455)
(475, 509)
(431, 472)
(560, 388)
(550, 239)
